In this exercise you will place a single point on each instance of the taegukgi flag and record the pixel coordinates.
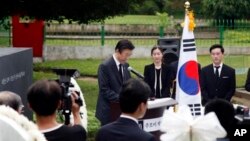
(187, 79)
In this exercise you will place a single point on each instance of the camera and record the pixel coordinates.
(67, 89)
(242, 113)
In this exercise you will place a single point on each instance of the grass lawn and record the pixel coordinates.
(89, 67)
(89, 87)
(200, 43)
(133, 19)
(97, 42)
(128, 19)
(230, 41)
(86, 67)
(4, 42)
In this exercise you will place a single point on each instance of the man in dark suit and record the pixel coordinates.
(217, 79)
(133, 103)
(111, 75)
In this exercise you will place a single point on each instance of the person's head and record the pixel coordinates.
(217, 53)
(224, 110)
(157, 54)
(133, 97)
(12, 100)
(44, 97)
(123, 50)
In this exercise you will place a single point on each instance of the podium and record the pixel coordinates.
(152, 119)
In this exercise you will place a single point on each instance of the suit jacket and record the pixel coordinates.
(123, 129)
(166, 79)
(223, 88)
(247, 84)
(110, 83)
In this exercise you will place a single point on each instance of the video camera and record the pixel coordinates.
(65, 84)
(242, 113)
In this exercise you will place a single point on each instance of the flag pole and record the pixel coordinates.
(187, 6)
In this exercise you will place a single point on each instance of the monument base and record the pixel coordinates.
(16, 73)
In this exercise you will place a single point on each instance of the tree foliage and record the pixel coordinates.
(172, 7)
(82, 11)
(226, 9)
(163, 18)
(150, 7)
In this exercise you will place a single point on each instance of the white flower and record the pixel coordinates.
(181, 126)
(23, 122)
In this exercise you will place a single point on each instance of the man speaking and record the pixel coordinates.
(111, 75)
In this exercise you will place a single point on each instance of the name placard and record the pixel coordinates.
(150, 125)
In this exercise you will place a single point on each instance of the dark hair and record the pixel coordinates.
(133, 93)
(217, 46)
(10, 99)
(154, 48)
(44, 97)
(224, 111)
(124, 44)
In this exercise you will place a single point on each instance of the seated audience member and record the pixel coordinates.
(133, 103)
(225, 113)
(247, 84)
(12, 100)
(44, 98)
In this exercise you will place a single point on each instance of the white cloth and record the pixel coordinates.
(16, 127)
(83, 109)
(182, 126)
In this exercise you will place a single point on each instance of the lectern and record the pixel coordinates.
(152, 119)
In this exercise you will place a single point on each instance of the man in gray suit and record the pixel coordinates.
(111, 75)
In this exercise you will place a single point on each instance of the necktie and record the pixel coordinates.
(217, 71)
(120, 71)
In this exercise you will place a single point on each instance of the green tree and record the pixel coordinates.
(226, 9)
(172, 7)
(82, 11)
(151, 6)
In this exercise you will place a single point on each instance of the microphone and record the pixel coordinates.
(135, 72)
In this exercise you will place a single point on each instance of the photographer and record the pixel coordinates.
(44, 98)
